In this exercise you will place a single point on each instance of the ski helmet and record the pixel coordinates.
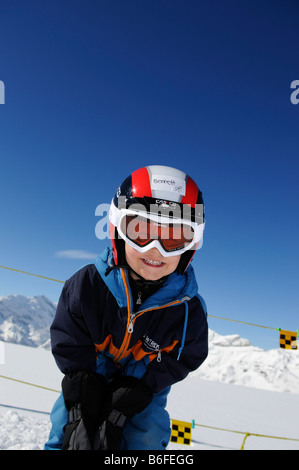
(163, 203)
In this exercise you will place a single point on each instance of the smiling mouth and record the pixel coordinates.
(151, 262)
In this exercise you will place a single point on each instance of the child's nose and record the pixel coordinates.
(155, 252)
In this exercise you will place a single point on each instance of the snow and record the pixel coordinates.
(26, 320)
(24, 409)
(233, 360)
(239, 388)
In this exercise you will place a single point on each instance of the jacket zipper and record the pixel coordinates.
(132, 316)
(129, 328)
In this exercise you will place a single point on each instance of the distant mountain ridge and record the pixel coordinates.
(232, 359)
(26, 320)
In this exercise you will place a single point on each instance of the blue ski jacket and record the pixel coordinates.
(96, 329)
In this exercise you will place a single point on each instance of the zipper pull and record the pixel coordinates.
(159, 356)
(138, 301)
(130, 327)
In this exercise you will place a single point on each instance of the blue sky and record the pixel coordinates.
(94, 90)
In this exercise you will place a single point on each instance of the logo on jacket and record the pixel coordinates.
(150, 343)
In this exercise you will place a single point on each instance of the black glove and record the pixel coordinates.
(127, 396)
(97, 412)
(84, 395)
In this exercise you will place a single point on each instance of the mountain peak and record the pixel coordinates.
(231, 359)
(26, 320)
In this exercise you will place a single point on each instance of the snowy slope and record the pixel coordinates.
(232, 360)
(24, 421)
(26, 320)
(226, 392)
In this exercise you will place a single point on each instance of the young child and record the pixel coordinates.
(132, 324)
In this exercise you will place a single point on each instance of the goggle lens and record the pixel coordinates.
(142, 231)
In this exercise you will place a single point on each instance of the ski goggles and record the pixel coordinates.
(144, 232)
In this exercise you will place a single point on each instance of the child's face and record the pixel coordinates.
(151, 265)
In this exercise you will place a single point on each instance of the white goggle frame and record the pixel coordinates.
(116, 215)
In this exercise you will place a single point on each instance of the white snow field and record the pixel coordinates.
(240, 388)
(24, 409)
